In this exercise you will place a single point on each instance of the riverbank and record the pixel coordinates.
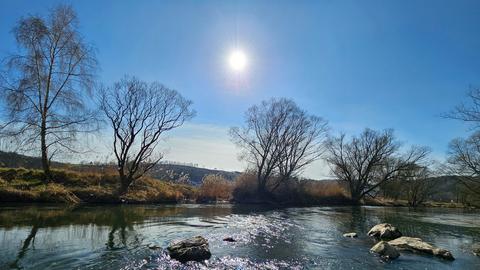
(404, 203)
(28, 186)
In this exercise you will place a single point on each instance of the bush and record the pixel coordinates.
(214, 187)
(245, 188)
(290, 192)
(322, 192)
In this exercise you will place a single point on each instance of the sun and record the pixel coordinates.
(237, 60)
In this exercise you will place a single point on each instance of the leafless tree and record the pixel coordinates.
(139, 113)
(468, 111)
(464, 154)
(369, 160)
(417, 184)
(301, 145)
(279, 139)
(45, 85)
(464, 161)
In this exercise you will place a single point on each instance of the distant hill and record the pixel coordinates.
(194, 175)
(167, 172)
(448, 188)
(14, 160)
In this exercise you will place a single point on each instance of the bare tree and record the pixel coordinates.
(417, 184)
(139, 113)
(464, 161)
(279, 139)
(45, 85)
(468, 111)
(464, 154)
(301, 145)
(368, 161)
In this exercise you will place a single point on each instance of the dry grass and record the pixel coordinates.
(215, 188)
(245, 187)
(151, 190)
(322, 192)
(22, 185)
(291, 192)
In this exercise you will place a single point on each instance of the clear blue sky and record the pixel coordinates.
(379, 64)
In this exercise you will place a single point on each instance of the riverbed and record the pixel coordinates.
(135, 236)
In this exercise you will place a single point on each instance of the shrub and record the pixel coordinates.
(215, 187)
(322, 192)
(245, 187)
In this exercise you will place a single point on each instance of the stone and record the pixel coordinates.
(385, 250)
(229, 239)
(384, 231)
(351, 235)
(476, 249)
(418, 245)
(193, 249)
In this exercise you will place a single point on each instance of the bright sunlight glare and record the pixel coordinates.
(237, 60)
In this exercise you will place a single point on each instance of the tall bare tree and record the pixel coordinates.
(464, 154)
(369, 160)
(464, 161)
(301, 145)
(45, 85)
(279, 139)
(139, 113)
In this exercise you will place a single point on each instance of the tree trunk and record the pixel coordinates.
(356, 196)
(261, 188)
(44, 149)
(125, 183)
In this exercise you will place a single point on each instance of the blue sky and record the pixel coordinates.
(379, 64)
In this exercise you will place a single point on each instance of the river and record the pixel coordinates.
(134, 236)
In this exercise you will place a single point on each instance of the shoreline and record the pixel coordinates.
(443, 205)
(19, 185)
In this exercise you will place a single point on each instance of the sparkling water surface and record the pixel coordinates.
(135, 236)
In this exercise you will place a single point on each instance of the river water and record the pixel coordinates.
(134, 236)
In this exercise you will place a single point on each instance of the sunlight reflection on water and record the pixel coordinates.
(134, 237)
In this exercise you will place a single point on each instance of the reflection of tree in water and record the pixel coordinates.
(38, 220)
(120, 219)
(358, 219)
(30, 238)
(120, 223)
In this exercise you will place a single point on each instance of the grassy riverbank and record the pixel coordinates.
(27, 185)
(68, 186)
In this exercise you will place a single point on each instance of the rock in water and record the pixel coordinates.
(476, 249)
(351, 235)
(385, 250)
(418, 245)
(384, 231)
(229, 239)
(193, 249)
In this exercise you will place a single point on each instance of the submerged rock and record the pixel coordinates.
(351, 235)
(476, 249)
(193, 249)
(418, 245)
(152, 246)
(229, 239)
(384, 231)
(385, 250)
